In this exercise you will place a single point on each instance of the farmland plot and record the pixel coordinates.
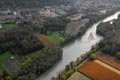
(45, 40)
(98, 71)
(112, 61)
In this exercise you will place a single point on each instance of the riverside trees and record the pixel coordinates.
(41, 63)
(111, 33)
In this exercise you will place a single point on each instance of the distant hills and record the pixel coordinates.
(29, 3)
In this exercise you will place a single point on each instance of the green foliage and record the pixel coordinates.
(56, 24)
(5, 56)
(111, 32)
(8, 78)
(40, 63)
(93, 56)
(19, 41)
(29, 3)
(78, 61)
(67, 68)
(56, 39)
(67, 74)
(118, 55)
(9, 26)
(72, 64)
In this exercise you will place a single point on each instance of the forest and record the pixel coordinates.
(110, 45)
(39, 64)
(20, 40)
(55, 24)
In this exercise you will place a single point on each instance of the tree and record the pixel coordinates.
(93, 56)
(8, 78)
(118, 55)
(67, 68)
(78, 61)
(72, 64)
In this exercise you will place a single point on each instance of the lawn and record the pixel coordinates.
(99, 71)
(9, 26)
(36, 53)
(5, 56)
(55, 38)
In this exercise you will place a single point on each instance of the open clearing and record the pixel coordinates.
(55, 38)
(112, 61)
(45, 40)
(5, 56)
(9, 26)
(98, 71)
(78, 76)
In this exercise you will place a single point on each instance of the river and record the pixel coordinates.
(76, 48)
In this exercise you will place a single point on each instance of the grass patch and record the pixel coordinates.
(5, 56)
(9, 26)
(55, 38)
(36, 53)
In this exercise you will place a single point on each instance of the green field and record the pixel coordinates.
(55, 38)
(36, 53)
(5, 56)
(9, 26)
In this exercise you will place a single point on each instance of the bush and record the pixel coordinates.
(8, 78)
(93, 56)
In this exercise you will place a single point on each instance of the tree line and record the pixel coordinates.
(39, 64)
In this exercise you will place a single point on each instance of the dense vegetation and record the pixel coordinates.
(110, 32)
(55, 24)
(19, 40)
(39, 64)
(29, 3)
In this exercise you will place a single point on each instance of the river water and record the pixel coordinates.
(76, 48)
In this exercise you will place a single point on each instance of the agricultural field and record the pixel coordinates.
(9, 26)
(36, 53)
(55, 38)
(98, 70)
(45, 40)
(78, 76)
(112, 61)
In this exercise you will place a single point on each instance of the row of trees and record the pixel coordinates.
(71, 67)
(39, 64)
(55, 24)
